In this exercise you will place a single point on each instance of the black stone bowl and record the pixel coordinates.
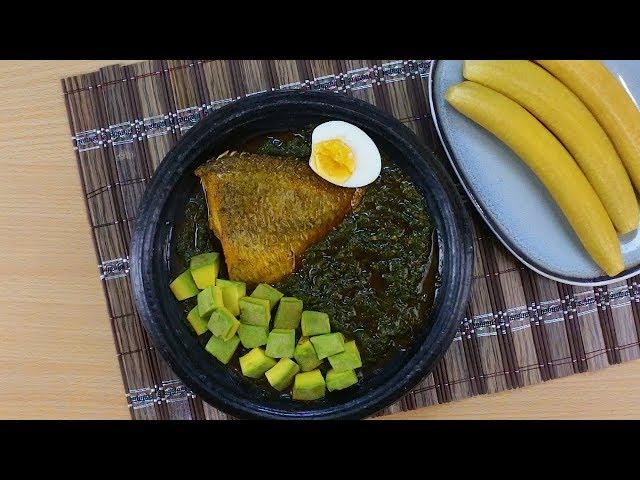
(165, 199)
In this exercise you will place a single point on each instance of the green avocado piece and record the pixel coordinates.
(267, 292)
(255, 311)
(348, 359)
(328, 344)
(252, 336)
(308, 386)
(221, 349)
(232, 292)
(306, 355)
(204, 269)
(289, 313)
(340, 380)
(255, 363)
(315, 323)
(281, 343)
(208, 300)
(223, 324)
(281, 375)
(183, 286)
(198, 323)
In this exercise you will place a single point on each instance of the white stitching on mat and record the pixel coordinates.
(357, 79)
(146, 402)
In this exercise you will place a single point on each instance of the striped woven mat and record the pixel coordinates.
(519, 329)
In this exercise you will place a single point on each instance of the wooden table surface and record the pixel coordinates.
(57, 356)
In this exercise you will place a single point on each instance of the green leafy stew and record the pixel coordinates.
(375, 274)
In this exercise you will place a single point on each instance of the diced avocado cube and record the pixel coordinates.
(221, 349)
(281, 375)
(223, 324)
(306, 355)
(348, 359)
(340, 380)
(204, 269)
(328, 344)
(267, 292)
(208, 300)
(255, 363)
(315, 323)
(281, 343)
(232, 292)
(255, 311)
(289, 313)
(252, 336)
(198, 323)
(183, 286)
(308, 386)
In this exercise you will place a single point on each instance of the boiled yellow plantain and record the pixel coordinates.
(566, 116)
(607, 99)
(551, 163)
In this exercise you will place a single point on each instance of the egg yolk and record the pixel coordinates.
(334, 160)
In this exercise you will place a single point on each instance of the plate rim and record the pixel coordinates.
(521, 256)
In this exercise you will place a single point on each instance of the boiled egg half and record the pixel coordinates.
(344, 155)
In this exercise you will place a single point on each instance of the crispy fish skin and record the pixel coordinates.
(266, 210)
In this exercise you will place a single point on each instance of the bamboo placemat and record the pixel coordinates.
(519, 329)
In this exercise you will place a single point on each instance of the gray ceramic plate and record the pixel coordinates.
(511, 199)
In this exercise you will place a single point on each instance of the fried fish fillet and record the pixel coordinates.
(266, 210)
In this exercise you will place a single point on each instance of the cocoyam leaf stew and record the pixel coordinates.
(374, 274)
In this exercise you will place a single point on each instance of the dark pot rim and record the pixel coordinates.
(453, 226)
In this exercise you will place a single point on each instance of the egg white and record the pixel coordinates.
(367, 162)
